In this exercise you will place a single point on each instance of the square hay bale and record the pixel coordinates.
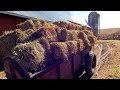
(84, 27)
(46, 45)
(61, 24)
(80, 44)
(92, 39)
(38, 22)
(21, 35)
(48, 33)
(84, 37)
(59, 50)
(79, 27)
(29, 31)
(9, 40)
(26, 25)
(72, 47)
(65, 35)
(75, 34)
(30, 56)
(88, 32)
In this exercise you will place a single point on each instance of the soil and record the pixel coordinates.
(111, 68)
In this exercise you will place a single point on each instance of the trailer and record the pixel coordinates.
(59, 70)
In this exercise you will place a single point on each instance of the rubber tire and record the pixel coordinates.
(89, 65)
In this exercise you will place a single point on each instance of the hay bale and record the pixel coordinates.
(84, 37)
(75, 34)
(72, 47)
(46, 45)
(65, 35)
(30, 56)
(38, 22)
(92, 39)
(80, 44)
(84, 27)
(29, 32)
(9, 40)
(21, 35)
(61, 24)
(26, 25)
(59, 50)
(48, 33)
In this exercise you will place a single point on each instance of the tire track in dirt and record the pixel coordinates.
(101, 57)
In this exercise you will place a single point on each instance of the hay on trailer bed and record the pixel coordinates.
(48, 33)
(30, 56)
(72, 47)
(80, 44)
(9, 40)
(88, 32)
(38, 22)
(61, 24)
(92, 39)
(46, 45)
(65, 35)
(26, 25)
(29, 32)
(59, 50)
(84, 37)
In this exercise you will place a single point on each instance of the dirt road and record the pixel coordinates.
(110, 67)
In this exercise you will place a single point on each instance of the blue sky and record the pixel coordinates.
(108, 19)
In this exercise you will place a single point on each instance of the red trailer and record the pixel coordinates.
(60, 70)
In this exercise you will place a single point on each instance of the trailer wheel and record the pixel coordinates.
(90, 63)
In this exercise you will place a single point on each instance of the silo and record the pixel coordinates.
(94, 22)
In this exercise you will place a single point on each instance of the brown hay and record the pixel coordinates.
(84, 27)
(80, 44)
(26, 25)
(84, 37)
(29, 32)
(30, 56)
(38, 22)
(59, 50)
(46, 45)
(92, 39)
(9, 40)
(61, 24)
(65, 35)
(72, 47)
(48, 33)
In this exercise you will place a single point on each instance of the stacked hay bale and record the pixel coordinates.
(9, 40)
(30, 56)
(34, 24)
(65, 35)
(84, 37)
(33, 44)
(47, 32)
(59, 50)
(68, 25)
